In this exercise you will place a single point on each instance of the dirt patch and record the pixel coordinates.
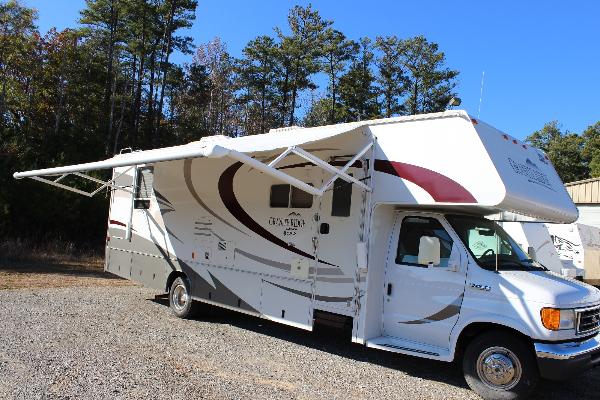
(34, 274)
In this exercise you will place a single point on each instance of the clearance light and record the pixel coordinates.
(556, 319)
(474, 121)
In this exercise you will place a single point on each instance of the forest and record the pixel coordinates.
(109, 83)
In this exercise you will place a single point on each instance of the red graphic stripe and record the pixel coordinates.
(112, 221)
(440, 187)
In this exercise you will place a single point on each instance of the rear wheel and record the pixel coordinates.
(180, 300)
(500, 366)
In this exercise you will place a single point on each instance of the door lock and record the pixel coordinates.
(389, 289)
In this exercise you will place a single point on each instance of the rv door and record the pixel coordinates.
(118, 254)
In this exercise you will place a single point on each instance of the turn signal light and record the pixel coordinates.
(551, 318)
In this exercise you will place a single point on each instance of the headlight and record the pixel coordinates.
(556, 319)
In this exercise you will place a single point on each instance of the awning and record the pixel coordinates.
(289, 140)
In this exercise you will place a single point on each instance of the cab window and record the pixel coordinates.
(411, 232)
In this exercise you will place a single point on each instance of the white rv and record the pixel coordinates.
(536, 239)
(578, 246)
(380, 223)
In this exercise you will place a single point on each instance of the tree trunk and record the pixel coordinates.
(294, 94)
(285, 94)
(58, 113)
(169, 38)
(118, 132)
(415, 107)
(112, 105)
(109, 72)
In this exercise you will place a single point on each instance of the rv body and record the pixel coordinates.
(395, 241)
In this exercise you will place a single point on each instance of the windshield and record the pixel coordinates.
(490, 245)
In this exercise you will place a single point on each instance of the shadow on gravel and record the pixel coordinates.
(337, 342)
(62, 268)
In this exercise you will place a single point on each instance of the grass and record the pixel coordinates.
(35, 264)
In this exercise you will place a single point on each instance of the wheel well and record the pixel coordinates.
(477, 328)
(172, 276)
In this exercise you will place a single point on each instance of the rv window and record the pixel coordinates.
(411, 231)
(301, 199)
(280, 196)
(287, 196)
(342, 198)
(143, 187)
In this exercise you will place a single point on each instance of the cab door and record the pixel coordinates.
(422, 301)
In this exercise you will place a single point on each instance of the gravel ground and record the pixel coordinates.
(119, 342)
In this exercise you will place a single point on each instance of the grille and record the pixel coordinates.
(588, 320)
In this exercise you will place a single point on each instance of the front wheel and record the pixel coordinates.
(500, 366)
(180, 301)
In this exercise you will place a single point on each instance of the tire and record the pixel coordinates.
(499, 365)
(180, 301)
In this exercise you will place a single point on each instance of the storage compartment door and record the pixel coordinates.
(287, 301)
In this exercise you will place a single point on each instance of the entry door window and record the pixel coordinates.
(411, 232)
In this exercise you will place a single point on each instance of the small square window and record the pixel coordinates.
(280, 196)
(287, 196)
(301, 199)
(342, 198)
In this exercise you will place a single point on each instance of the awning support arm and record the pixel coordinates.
(270, 168)
(109, 183)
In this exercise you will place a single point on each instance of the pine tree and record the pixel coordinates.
(358, 94)
(391, 79)
(429, 82)
(337, 51)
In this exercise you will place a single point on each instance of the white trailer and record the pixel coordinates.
(377, 222)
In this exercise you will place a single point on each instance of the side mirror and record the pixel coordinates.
(455, 260)
(429, 251)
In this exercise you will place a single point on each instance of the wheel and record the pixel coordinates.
(500, 366)
(180, 301)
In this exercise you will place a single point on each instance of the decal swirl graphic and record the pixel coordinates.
(230, 200)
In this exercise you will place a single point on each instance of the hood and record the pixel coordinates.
(549, 288)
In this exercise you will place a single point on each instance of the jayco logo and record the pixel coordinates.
(291, 223)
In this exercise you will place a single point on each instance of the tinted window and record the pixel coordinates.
(286, 196)
(301, 199)
(342, 198)
(411, 231)
(280, 196)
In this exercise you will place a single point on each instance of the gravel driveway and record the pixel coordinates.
(119, 342)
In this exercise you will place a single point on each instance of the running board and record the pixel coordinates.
(409, 347)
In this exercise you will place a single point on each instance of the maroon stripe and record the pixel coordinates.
(357, 164)
(234, 207)
(112, 221)
(440, 187)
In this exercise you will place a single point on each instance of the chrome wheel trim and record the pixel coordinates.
(179, 297)
(499, 368)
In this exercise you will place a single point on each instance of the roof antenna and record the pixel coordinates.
(481, 94)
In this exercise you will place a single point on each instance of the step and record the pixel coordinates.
(403, 346)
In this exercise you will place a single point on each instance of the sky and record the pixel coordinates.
(541, 58)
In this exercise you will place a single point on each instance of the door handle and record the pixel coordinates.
(389, 289)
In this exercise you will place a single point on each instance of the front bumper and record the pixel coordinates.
(560, 361)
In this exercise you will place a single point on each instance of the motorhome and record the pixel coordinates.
(578, 246)
(535, 237)
(380, 223)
